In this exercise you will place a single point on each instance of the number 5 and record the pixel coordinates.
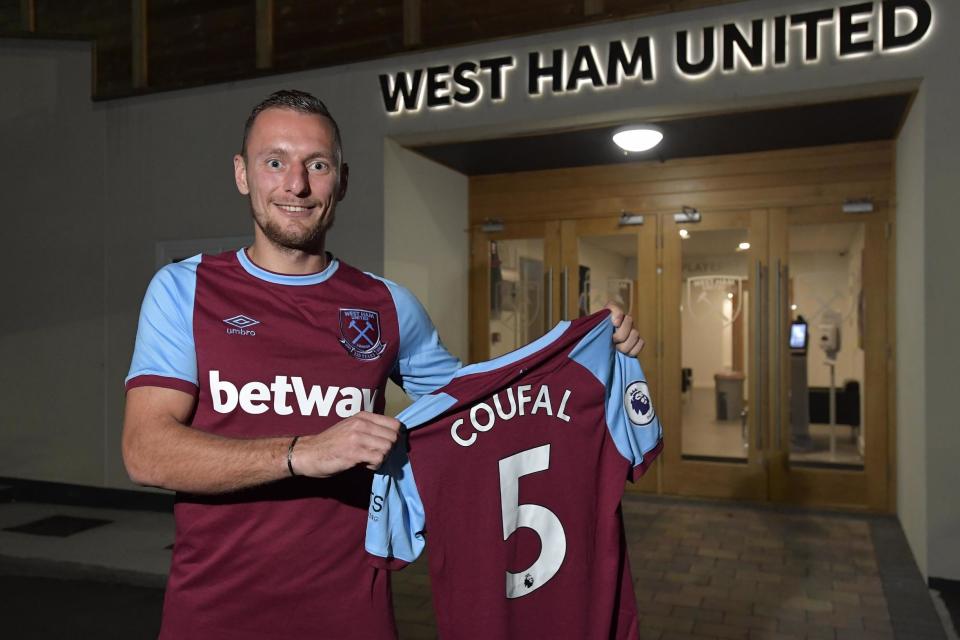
(553, 542)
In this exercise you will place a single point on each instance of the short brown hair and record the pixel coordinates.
(301, 102)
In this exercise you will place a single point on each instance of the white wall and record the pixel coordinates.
(158, 168)
(823, 282)
(911, 333)
(706, 338)
(605, 264)
(527, 318)
(426, 244)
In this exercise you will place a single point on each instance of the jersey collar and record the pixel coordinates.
(280, 278)
(515, 356)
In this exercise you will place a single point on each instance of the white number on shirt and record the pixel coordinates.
(553, 542)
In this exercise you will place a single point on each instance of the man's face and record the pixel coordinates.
(290, 172)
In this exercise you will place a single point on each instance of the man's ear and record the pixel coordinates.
(343, 180)
(240, 174)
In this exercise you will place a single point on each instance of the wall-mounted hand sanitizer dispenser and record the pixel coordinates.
(828, 337)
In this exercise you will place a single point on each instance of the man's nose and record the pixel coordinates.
(296, 181)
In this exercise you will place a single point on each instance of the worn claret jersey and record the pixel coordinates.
(275, 355)
(514, 473)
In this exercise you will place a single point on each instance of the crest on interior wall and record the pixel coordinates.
(707, 295)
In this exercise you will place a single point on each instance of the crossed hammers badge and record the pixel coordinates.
(360, 333)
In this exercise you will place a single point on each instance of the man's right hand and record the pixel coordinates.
(160, 450)
(365, 438)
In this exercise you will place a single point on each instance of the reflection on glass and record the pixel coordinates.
(826, 379)
(715, 343)
(607, 272)
(517, 305)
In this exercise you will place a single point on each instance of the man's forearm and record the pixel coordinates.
(160, 450)
(174, 456)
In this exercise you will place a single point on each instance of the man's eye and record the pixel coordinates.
(273, 164)
(318, 166)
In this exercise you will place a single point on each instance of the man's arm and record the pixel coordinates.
(160, 450)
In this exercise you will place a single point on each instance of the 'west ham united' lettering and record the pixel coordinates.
(847, 32)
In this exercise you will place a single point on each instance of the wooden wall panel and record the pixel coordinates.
(623, 8)
(107, 22)
(311, 34)
(192, 40)
(448, 22)
(822, 176)
(10, 15)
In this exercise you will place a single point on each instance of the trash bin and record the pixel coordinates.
(729, 386)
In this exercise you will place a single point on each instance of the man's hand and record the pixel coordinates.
(364, 438)
(625, 337)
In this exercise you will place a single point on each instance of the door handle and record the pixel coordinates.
(758, 333)
(549, 298)
(778, 358)
(564, 281)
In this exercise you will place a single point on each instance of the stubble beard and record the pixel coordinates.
(309, 240)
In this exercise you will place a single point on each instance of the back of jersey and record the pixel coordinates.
(514, 473)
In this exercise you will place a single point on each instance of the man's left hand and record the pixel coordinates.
(625, 337)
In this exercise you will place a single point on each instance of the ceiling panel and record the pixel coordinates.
(849, 121)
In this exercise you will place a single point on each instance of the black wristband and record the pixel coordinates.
(293, 443)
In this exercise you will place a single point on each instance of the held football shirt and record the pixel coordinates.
(266, 354)
(514, 473)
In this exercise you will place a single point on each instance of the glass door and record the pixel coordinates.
(767, 338)
(615, 260)
(513, 286)
(714, 274)
(829, 358)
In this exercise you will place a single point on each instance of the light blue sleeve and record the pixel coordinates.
(631, 418)
(165, 345)
(423, 364)
(395, 519)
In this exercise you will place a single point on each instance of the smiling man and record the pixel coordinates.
(256, 392)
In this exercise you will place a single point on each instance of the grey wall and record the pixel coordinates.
(911, 329)
(158, 168)
(942, 303)
(426, 244)
(52, 337)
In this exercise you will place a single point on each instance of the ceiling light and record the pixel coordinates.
(743, 246)
(793, 307)
(858, 205)
(684, 234)
(637, 138)
(729, 296)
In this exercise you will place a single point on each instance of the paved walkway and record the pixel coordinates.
(714, 570)
(701, 569)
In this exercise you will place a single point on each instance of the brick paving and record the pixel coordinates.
(714, 570)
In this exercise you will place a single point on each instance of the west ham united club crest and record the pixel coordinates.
(360, 333)
(637, 403)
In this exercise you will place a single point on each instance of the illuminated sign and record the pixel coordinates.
(855, 30)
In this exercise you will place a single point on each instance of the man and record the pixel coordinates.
(255, 392)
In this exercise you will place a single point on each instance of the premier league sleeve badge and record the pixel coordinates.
(637, 403)
(360, 333)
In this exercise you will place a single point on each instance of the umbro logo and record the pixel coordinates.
(241, 325)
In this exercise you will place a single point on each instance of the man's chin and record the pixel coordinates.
(308, 242)
(293, 236)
